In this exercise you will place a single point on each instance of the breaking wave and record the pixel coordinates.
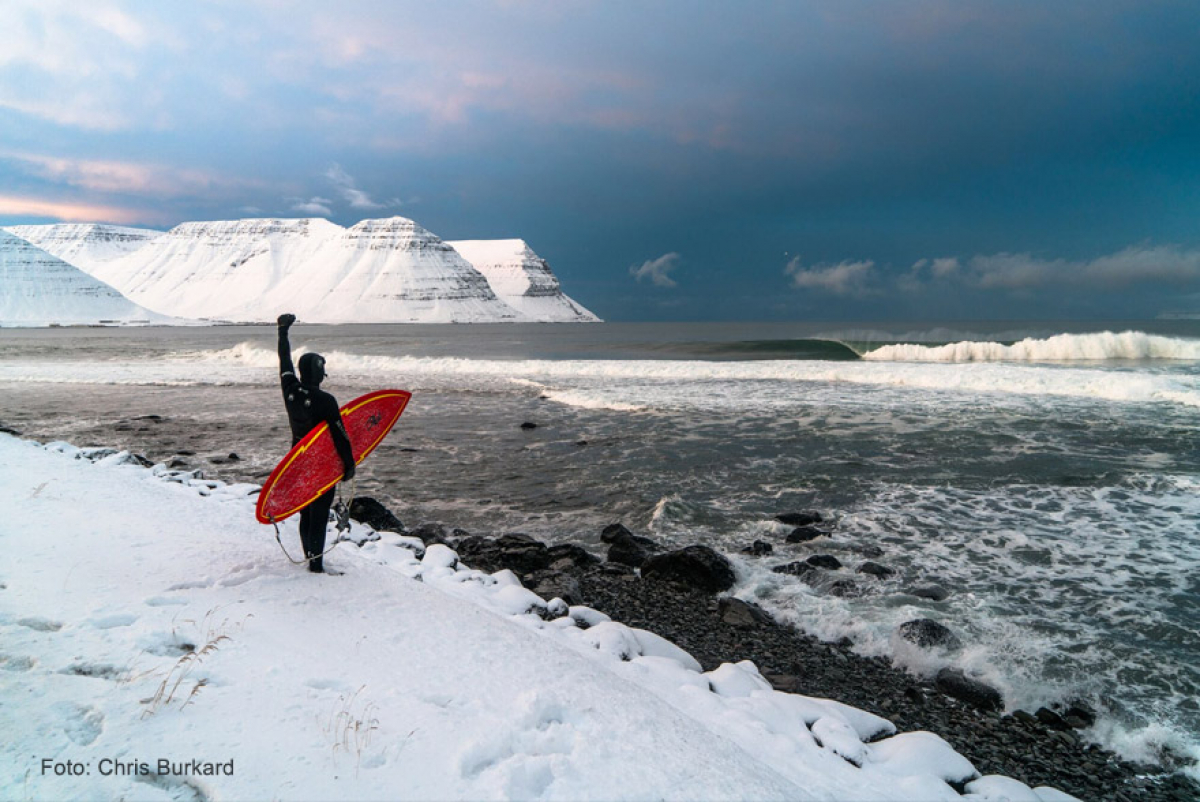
(647, 384)
(1104, 346)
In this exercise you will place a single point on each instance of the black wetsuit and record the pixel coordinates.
(308, 406)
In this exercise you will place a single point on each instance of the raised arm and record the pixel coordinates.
(285, 348)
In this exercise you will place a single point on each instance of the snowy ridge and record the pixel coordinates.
(522, 279)
(460, 685)
(1107, 345)
(39, 289)
(378, 271)
(85, 245)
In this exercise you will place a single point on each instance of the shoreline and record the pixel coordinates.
(716, 630)
(705, 626)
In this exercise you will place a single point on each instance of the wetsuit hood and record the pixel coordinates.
(312, 369)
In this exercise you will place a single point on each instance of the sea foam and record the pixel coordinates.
(629, 385)
(1104, 346)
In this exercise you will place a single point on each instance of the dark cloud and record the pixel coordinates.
(865, 136)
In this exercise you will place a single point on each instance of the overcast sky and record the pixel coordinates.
(672, 160)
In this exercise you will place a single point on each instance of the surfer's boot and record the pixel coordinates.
(315, 565)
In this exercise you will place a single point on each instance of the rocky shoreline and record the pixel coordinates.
(677, 595)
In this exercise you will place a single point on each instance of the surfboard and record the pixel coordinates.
(313, 466)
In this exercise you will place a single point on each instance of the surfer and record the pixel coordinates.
(307, 407)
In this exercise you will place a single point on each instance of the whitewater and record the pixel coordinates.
(1047, 479)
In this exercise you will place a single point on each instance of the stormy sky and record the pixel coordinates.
(672, 160)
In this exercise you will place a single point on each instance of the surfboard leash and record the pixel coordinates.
(342, 517)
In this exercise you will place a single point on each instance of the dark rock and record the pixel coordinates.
(875, 569)
(617, 569)
(845, 589)
(1051, 719)
(927, 633)
(794, 569)
(803, 534)
(738, 613)
(9, 430)
(785, 682)
(955, 683)
(759, 548)
(617, 532)
(581, 443)
(370, 512)
(430, 533)
(522, 553)
(577, 555)
(931, 592)
(555, 584)
(693, 566)
(613, 531)
(624, 549)
(1079, 715)
(824, 561)
(799, 518)
(183, 452)
(233, 457)
(1026, 718)
(869, 551)
(528, 425)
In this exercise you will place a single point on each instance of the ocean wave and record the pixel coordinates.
(652, 384)
(1103, 346)
(630, 385)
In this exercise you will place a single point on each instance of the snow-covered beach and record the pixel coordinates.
(147, 618)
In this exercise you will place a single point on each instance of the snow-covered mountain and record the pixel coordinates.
(85, 245)
(39, 289)
(522, 279)
(378, 271)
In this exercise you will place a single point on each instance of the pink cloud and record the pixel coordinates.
(76, 212)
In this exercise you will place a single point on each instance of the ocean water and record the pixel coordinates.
(1047, 475)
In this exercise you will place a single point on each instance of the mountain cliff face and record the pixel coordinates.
(39, 289)
(377, 271)
(85, 245)
(218, 270)
(522, 279)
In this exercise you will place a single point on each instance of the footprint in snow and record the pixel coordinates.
(195, 584)
(322, 684)
(82, 724)
(165, 644)
(182, 789)
(16, 663)
(526, 756)
(94, 670)
(113, 621)
(164, 601)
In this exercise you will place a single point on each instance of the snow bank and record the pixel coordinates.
(156, 644)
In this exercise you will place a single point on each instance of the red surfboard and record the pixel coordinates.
(313, 466)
